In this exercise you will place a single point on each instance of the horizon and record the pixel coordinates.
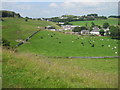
(57, 9)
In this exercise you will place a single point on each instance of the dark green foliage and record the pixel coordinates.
(93, 24)
(115, 32)
(101, 17)
(5, 42)
(76, 29)
(26, 20)
(67, 23)
(107, 33)
(1, 19)
(92, 15)
(51, 27)
(79, 29)
(114, 16)
(9, 14)
(102, 32)
(105, 25)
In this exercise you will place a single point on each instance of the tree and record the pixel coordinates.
(79, 29)
(93, 24)
(9, 14)
(67, 23)
(105, 25)
(102, 32)
(115, 32)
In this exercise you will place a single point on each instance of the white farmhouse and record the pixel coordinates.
(95, 31)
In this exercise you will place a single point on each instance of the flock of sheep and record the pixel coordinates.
(91, 42)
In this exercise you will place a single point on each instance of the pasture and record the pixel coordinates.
(26, 70)
(17, 28)
(48, 43)
(30, 68)
(111, 21)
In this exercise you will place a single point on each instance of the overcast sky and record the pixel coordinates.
(52, 8)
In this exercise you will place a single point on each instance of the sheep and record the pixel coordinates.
(115, 52)
(108, 45)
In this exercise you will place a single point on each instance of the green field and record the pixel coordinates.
(66, 45)
(111, 21)
(17, 28)
(29, 67)
(26, 70)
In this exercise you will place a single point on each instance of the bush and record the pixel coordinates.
(105, 25)
(5, 43)
(115, 32)
(102, 32)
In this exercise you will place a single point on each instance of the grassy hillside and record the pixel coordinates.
(29, 68)
(17, 28)
(58, 44)
(111, 21)
(26, 70)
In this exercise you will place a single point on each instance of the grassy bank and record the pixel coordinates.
(26, 70)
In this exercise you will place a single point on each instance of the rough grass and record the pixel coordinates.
(66, 45)
(111, 21)
(25, 70)
(17, 28)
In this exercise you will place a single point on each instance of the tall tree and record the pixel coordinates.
(105, 25)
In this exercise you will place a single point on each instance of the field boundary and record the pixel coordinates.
(80, 57)
(19, 44)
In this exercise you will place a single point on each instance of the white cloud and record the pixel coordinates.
(68, 5)
(91, 0)
(54, 5)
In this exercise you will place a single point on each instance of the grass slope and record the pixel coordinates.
(25, 70)
(66, 45)
(17, 28)
(111, 21)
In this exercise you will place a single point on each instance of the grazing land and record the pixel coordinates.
(26, 70)
(49, 43)
(18, 28)
(29, 67)
(111, 21)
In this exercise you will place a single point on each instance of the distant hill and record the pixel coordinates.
(4, 13)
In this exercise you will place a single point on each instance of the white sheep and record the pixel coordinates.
(108, 45)
(115, 52)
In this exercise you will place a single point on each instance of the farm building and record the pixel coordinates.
(95, 31)
(85, 32)
(69, 27)
(50, 28)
